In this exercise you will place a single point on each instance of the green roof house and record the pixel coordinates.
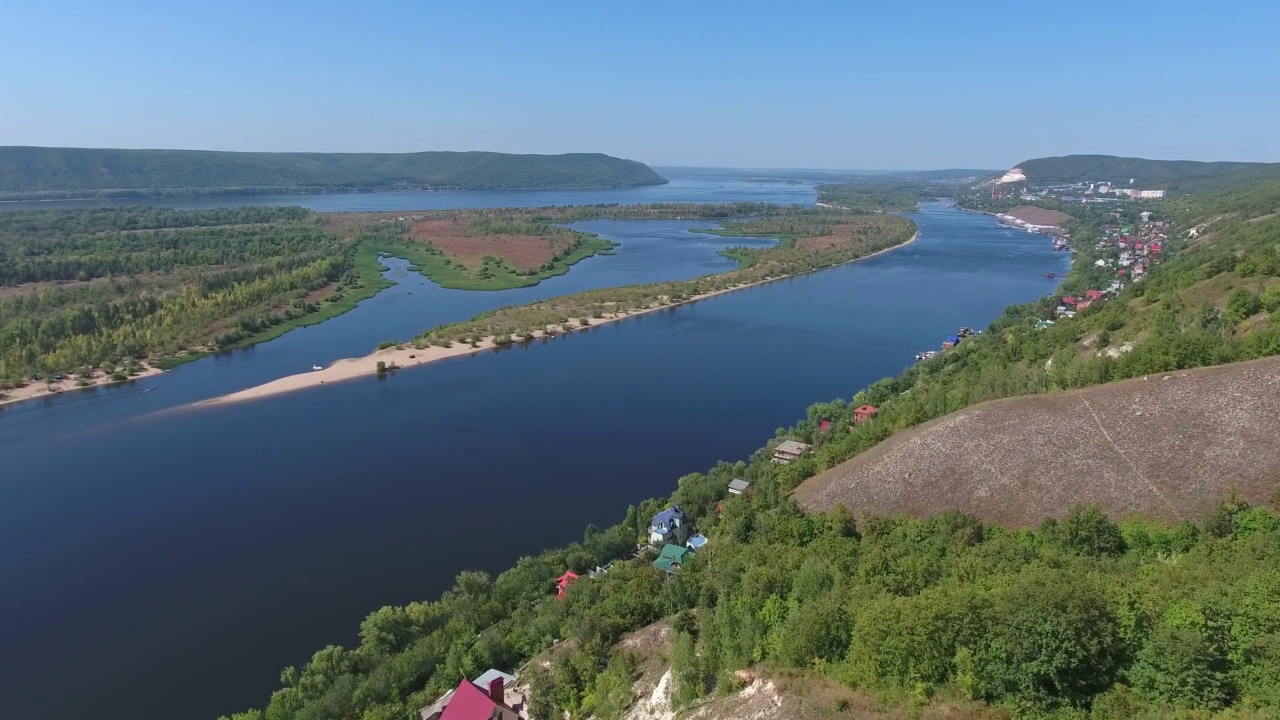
(672, 558)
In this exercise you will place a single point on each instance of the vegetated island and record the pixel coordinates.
(1055, 612)
(96, 296)
(40, 173)
(810, 239)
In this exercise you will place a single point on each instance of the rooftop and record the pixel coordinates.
(792, 447)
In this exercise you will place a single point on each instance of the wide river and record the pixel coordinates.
(166, 562)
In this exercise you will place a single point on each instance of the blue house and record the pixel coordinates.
(670, 526)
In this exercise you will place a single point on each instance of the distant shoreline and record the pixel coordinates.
(409, 357)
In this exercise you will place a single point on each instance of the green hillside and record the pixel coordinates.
(1182, 175)
(38, 171)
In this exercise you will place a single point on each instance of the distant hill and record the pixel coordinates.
(1181, 175)
(68, 171)
(1171, 445)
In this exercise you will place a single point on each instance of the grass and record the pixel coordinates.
(454, 275)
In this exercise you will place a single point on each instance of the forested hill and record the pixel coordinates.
(1184, 175)
(36, 170)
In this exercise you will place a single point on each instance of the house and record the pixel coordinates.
(824, 426)
(670, 526)
(738, 487)
(600, 570)
(1092, 295)
(485, 698)
(789, 450)
(696, 542)
(672, 558)
(1068, 300)
(864, 413)
(1083, 305)
(564, 581)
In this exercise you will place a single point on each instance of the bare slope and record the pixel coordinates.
(1169, 445)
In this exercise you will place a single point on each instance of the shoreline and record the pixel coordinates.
(407, 357)
(40, 389)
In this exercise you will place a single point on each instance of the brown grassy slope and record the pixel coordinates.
(1167, 445)
(459, 241)
(1039, 216)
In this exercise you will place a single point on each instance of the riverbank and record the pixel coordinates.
(405, 357)
(40, 389)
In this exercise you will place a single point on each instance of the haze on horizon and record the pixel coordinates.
(825, 85)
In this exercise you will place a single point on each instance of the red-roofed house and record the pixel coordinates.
(564, 581)
(1068, 300)
(824, 426)
(471, 703)
(1083, 305)
(1092, 295)
(484, 698)
(864, 413)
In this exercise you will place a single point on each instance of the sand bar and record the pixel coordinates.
(41, 389)
(407, 356)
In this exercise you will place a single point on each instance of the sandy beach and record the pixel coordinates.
(406, 356)
(39, 389)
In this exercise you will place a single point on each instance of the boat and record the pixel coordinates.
(316, 368)
(1049, 275)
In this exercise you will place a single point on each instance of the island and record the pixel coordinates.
(810, 239)
(97, 296)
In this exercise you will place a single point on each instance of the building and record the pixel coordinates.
(670, 526)
(485, 698)
(738, 487)
(824, 426)
(1068, 300)
(672, 558)
(864, 413)
(563, 582)
(1092, 295)
(789, 450)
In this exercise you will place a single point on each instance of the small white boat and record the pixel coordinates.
(316, 368)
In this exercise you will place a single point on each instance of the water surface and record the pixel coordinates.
(168, 565)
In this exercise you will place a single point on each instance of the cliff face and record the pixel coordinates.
(1169, 445)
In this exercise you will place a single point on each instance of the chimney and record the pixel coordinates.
(495, 690)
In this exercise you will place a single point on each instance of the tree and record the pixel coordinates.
(686, 670)
(1052, 640)
(1088, 531)
(1184, 668)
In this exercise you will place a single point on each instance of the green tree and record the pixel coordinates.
(1087, 530)
(1184, 668)
(1053, 640)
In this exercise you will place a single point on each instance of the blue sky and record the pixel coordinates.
(783, 84)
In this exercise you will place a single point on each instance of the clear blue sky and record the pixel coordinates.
(873, 85)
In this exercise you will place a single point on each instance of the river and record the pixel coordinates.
(167, 562)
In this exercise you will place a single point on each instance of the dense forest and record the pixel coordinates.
(1184, 176)
(79, 172)
(895, 196)
(112, 287)
(1085, 617)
